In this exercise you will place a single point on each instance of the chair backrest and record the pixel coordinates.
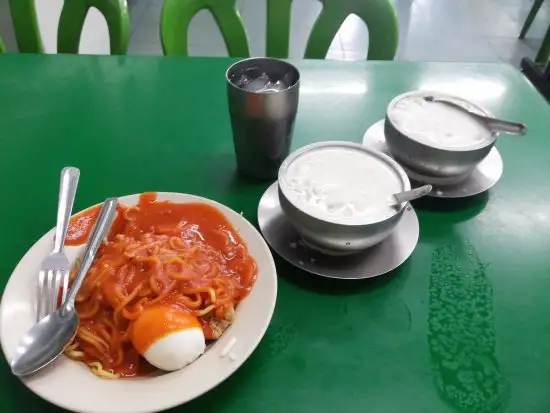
(177, 15)
(72, 19)
(71, 22)
(378, 15)
(25, 26)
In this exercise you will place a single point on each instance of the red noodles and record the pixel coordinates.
(186, 256)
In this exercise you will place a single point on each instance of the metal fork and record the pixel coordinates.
(55, 268)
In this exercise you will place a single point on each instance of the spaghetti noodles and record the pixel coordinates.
(185, 256)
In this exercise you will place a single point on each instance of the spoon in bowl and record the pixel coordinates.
(48, 338)
(406, 196)
(494, 124)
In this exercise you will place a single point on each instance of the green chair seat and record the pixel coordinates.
(378, 15)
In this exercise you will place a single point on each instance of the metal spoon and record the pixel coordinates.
(494, 124)
(407, 196)
(47, 339)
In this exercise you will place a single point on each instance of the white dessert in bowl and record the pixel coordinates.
(438, 124)
(338, 195)
(435, 139)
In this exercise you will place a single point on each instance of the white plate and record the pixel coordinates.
(71, 385)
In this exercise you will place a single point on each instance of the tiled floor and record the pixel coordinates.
(433, 30)
(430, 30)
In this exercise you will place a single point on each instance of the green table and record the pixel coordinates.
(462, 326)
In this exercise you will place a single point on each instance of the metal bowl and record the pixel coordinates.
(338, 238)
(426, 160)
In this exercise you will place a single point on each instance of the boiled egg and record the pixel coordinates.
(167, 337)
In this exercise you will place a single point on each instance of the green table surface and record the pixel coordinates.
(462, 326)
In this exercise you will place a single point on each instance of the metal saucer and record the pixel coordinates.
(375, 261)
(484, 176)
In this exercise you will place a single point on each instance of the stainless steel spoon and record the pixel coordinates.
(48, 338)
(494, 124)
(407, 196)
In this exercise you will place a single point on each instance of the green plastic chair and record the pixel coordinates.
(25, 26)
(177, 15)
(378, 15)
(544, 52)
(71, 22)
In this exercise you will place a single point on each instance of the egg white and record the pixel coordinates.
(176, 350)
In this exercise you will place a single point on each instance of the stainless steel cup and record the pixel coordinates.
(262, 118)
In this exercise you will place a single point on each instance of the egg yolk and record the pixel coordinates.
(157, 322)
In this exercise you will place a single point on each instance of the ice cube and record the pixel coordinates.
(253, 79)
(258, 84)
(245, 76)
(272, 86)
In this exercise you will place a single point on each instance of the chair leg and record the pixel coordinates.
(539, 78)
(530, 17)
(544, 52)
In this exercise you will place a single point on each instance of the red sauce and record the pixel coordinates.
(81, 226)
(207, 242)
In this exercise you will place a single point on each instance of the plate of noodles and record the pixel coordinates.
(178, 297)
